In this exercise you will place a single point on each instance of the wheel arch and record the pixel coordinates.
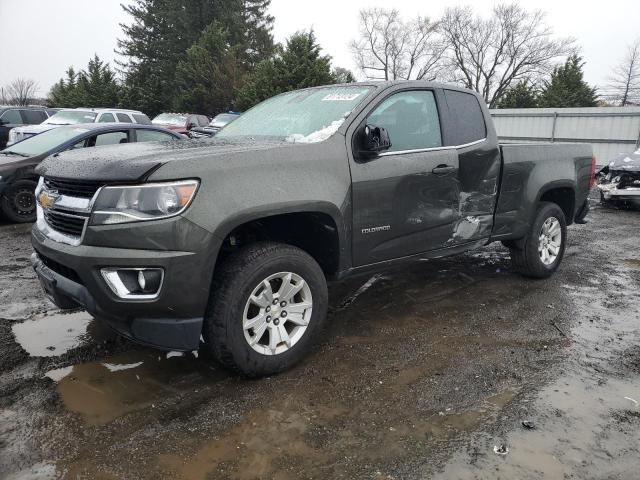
(563, 194)
(318, 228)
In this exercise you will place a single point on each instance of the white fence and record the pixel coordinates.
(610, 130)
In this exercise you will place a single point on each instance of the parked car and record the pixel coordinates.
(619, 181)
(12, 117)
(234, 239)
(218, 122)
(180, 122)
(72, 116)
(17, 163)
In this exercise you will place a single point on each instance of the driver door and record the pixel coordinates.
(405, 200)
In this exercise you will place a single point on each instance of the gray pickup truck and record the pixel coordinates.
(230, 242)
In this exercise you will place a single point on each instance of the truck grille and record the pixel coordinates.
(72, 188)
(66, 223)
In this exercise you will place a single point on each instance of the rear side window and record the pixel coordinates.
(123, 117)
(141, 118)
(467, 120)
(411, 118)
(33, 117)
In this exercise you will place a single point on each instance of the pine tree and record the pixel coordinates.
(163, 31)
(96, 86)
(299, 64)
(209, 75)
(567, 87)
(521, 95)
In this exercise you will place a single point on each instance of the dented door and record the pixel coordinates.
(401, 207)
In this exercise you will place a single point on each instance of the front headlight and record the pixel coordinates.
(136, 203)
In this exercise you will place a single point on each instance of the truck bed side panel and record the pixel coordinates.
(531, 170)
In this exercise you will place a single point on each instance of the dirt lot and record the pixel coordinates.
(422, 372)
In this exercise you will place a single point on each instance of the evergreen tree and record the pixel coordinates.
(521, 95)
(343, 75)
(299, 64)
(209, 75)
(163, 31)
(567, 87)
(94, 87)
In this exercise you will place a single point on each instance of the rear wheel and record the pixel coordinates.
(267, 305)
(18, 203)
(543, 248)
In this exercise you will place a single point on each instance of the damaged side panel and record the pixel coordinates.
(479, 175)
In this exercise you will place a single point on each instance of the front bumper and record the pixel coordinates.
(70, 276)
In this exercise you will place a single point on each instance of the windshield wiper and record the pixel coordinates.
(11, 152)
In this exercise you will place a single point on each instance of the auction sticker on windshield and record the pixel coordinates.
(340, 97)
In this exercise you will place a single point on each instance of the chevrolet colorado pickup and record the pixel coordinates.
(230, 242)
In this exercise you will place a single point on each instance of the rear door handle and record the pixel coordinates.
(442, 169)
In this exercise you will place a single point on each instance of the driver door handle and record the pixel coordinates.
(442, 169)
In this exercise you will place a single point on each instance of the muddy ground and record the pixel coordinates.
(423, 372)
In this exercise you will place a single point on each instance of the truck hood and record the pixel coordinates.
(136, 161)
(627, 163)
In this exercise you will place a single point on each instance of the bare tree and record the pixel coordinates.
(389, 48)
(489, 55)
(20, 92)
(624, 86)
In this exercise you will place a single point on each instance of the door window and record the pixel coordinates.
(11, 117)
(411, 119)
(111, 138)
(153, 136)
(106, 117)
(123, 117)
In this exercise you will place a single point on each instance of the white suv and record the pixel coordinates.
(72, 116)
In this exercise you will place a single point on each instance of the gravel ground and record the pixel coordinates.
(422, 374)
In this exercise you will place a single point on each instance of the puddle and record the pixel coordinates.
(586, 421)
(52, 335)
(105, 390)
(40, 471)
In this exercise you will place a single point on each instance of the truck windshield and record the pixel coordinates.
(305, 116)
(44, 142)
(71, 117)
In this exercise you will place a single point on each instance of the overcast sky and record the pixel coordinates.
(39, 39)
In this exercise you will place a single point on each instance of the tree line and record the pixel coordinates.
(198, 56)
(207, 56)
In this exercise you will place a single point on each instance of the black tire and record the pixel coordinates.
(18, 202)
(234, 281)
(527, 260)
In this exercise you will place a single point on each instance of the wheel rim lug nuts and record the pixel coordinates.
(283, 304)
(276, 321)
(275, 302)
(268, 309)
(283, 314)
(268, 319)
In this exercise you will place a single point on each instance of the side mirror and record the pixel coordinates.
(373, 140)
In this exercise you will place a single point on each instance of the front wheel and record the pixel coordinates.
(268, 303)
(543, 248)
(18, 202)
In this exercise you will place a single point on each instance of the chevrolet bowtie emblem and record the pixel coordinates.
(47, 199)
